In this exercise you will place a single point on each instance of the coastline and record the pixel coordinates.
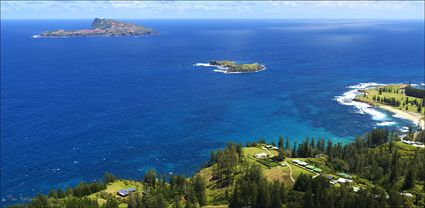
(414, 117)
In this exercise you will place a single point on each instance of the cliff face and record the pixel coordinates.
(103, 27)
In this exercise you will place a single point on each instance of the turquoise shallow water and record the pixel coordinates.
(74, 108)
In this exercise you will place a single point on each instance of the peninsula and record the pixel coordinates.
(232, 67)
(403, 100)
(101, 27)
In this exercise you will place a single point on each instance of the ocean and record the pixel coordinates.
(73, 108)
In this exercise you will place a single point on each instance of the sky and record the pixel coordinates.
(213, 9)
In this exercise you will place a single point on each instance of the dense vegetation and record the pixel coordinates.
(385, 166)
(415, 92)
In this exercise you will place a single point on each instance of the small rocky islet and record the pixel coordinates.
(232, 67)
(102, 27)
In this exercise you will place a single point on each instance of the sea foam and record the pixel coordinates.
(363, 108)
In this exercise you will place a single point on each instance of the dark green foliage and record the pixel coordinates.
(108, 178)
(111, 203)
(199, 189)
(414, 92)
(409, 179)
(253, 190)
(150, 178)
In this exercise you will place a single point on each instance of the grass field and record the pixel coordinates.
(391, 91)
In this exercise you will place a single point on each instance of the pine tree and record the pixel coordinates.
(199, 189)
(280, 143)
(409, 179)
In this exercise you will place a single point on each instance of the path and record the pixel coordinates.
(290, 171)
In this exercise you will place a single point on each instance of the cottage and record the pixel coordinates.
(261, 155)
(317, 170)
(126, 192)
(355, 188)
(275, 148)
(344, 180)
(407, 194)
(283, 164)
(302, 163)
(296, 161)
(310, 167)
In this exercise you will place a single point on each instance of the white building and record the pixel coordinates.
(261, 155)
(344, 180)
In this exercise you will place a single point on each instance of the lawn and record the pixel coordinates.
(401, 97)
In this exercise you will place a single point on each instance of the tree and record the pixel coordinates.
(111, 203)
(281, 154)
(287, 145)
(199, 189)
(409, 179)
(108, 178)
(395, 199)
(150, 178)
(280, 143)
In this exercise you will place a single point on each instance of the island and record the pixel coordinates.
(404, 100)
(101, 27)
(232, 67)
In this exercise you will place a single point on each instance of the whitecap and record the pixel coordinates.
(386, 123)
(202, 64)
(363, 108)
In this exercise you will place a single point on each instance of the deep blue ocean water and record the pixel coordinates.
(73, 108)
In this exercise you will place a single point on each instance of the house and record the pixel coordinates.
(126, 192)
(275, 148)
(283, 164)
(261, 155)
(333, 182)
(310, 167)
(302, 163)
(317, 170)
(296, 161)
(355, 188)
(407, 194)
(344, 180)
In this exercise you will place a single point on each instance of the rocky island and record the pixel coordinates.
(229, 67)
(102, 27)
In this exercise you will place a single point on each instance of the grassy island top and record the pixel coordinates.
(231, 66)
(398, 98)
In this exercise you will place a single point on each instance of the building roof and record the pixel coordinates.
(302, 163)
(126, 192)
(317, 170)
(310, 167)
(344, 180)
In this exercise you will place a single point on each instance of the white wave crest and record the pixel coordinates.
(202, 64)
(387, 123)
(363, 108)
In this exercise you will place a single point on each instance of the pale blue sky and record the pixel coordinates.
(213, 9)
